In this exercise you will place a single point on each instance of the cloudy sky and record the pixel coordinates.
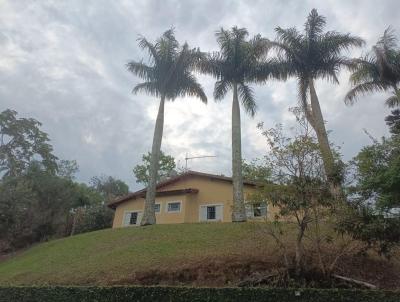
(63, 63)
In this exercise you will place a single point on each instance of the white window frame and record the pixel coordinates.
(130, 212)
(169, 202)
(159, 212)
(212, 205)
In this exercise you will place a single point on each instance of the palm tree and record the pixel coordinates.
(309, 56)
(378, 71)
(234, 67)
(168, 76)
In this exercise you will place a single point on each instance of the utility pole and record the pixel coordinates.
(194, 157)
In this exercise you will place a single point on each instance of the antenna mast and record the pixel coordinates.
(194, 157)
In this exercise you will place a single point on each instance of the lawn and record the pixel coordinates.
(216, 254)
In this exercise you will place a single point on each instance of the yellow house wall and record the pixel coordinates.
(211, 191)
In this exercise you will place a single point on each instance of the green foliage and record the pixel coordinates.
(178, 294)
(169, 74)
(166, 168)
(22, 141)
(256, 171)
(374, 196)
(313, 54)
(393, 121)
(377, 71)
(237, 63)
(109, 187)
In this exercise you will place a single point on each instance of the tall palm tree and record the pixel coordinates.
(378, 71)
(168, 76)
(234, 66)
(308, 56)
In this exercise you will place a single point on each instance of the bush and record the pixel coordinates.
(178, 294)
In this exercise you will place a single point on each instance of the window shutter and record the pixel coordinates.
(127, 218)
(219, 213)
(203, 213)
(249, 210)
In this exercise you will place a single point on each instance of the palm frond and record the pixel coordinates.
(393, 101)
(144, 44)
(246, 95)
(220, 89)
(211, 64)
(140, 69)
(314, 25)
(362, 89)
(333, 43)
(190, 87)
(147, 87)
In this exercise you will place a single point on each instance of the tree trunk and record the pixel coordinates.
(238, 211)
(299, 251)
(149, 215)
(318, 124)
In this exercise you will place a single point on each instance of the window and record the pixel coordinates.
(157, 208)
(174, 207)
(133, 218)
(257, 210)
(211, 213)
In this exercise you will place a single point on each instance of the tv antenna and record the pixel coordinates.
(194, 157)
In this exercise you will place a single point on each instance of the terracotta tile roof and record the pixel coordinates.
(141, 193)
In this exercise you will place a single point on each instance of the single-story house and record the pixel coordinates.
(188, 198)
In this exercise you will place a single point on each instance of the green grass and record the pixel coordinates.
(110, 255)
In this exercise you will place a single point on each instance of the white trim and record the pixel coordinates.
(131, 211)
(174, 201)
(212, 205)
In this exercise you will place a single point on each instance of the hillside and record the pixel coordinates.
(195, 254)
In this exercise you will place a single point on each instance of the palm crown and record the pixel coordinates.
(236, 64)
(377, 71)
(313, 54)
(169, 74)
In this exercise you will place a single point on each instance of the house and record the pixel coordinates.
(188, 198)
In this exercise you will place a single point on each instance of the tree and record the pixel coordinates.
(67, 168)
(393, 121)
(299, 189)
(378, 71)
(166, 168)
(21, 141)
(109, 187)
(373, 215)
(168, 76)
(313, 55)
(235, 66)
(256, 171)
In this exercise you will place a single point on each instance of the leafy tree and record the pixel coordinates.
(393, 121)
(168, 76)
(256, 171)
(67, 168)
(166, 168)
(378, 71)
(109, 187)
(374, 198)
(235, 66)
(309, 56)
(299, 189)
(22, 141)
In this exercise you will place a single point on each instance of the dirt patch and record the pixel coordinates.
(230, 271)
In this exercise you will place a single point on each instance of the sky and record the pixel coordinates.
(64, 64)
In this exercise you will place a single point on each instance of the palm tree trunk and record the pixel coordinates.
(149, 215)
(319, 126)
(238, 211)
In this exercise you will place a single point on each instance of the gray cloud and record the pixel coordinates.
(63, 63)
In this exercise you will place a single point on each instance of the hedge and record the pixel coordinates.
(180, 294)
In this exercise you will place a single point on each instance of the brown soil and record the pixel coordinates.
(219, 272)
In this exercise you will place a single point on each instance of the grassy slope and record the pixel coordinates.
(209, 254)
(113, 254)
